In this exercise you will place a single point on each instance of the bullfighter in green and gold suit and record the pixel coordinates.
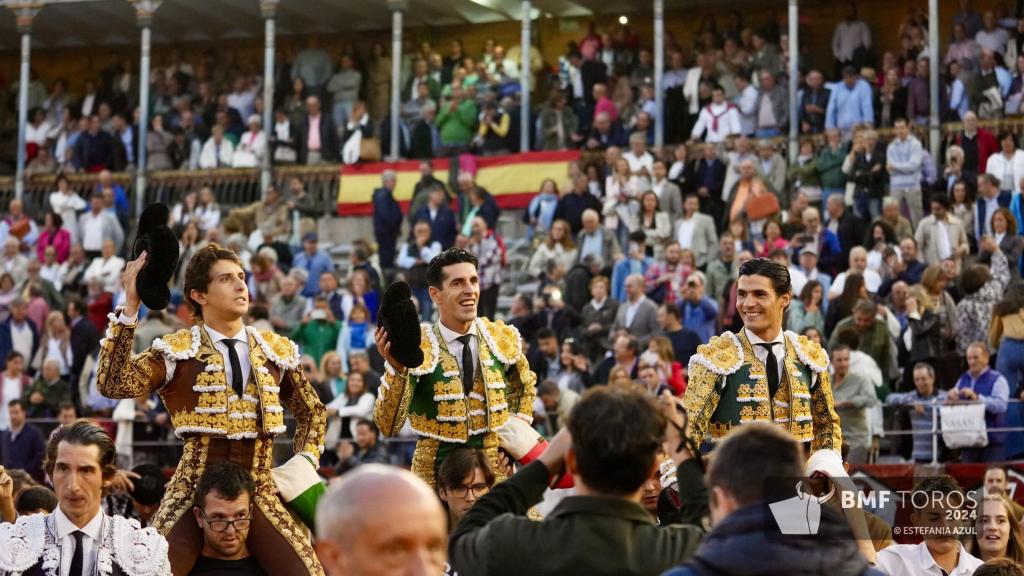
(729, 382)
(446, 410)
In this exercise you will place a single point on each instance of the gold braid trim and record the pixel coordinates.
(310, 414)
(827, 433)
(391, 408)
(119, 373)
(701, 399)
(423, 460)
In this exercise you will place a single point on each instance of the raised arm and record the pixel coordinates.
(119, 373)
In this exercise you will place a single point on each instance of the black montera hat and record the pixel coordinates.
(399, 318)
(154, 237)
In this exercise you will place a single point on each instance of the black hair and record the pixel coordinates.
(36, 498)
(616, 435)
(672, 309)
(150, 486)
(16, 402)
(461, 462)
(773, 271)
(369, 424)
(638, 236)
(226, 478)
(547, 388)
(941, 200)
(83, 433)
(13, 355)
(545, 333)
(435, 271)
(749, 456)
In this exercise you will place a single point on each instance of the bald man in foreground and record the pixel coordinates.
(381, 520)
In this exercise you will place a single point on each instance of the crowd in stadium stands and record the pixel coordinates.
(907, 268)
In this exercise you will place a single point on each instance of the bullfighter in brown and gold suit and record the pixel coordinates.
(225, 386)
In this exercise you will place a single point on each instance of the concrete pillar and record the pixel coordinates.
(144, 10)
(24, 13)
(397, 8)
(659, 71)
(935, 145)
(268, 8)
(794, 79)
(525, 79)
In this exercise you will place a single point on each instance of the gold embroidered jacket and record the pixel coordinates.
(727, 387)
(431, 396)
(196, 394)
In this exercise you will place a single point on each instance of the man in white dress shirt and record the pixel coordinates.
(78, 539)
(941, 553)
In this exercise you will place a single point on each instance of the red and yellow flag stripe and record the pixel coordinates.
(512, 180)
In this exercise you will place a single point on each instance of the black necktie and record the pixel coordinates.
(771, 368)
(77, 566)
(467, 363)
(236, 366)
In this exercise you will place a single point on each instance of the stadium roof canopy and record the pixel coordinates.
(73, 23)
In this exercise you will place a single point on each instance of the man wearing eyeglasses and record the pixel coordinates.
(223, 510)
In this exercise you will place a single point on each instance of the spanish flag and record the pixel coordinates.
(513, 180)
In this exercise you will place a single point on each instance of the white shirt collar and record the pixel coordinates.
(450, 335)
(927, 561)
(65, 526)
(755, 339)
(217, 336)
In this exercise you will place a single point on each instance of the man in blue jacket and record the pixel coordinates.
(387, 219)
(18, 332)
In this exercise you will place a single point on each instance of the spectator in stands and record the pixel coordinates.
(387, 219)
(47, 393)
(1004, 233)
(251, 146)
(772, 106)
(356, 537)
(18, 332)
(479, 202)
(865, 166)
(802, 179)
(1007, 166)
(699, 311)
(989, 200)
(314, 261)
(485, 246)
(903, 159)
(890, 102)
(813, 102)
(106, 268)
(997, 538)
(316, 136)
(849, 103)
(596, 240)
(847, 227)
(853, 394)
(218, 151)
(696, 231)
(637, 314)
(858, 263)
(978, 145)
(652, 221)
(807, 311)
(664, 279)
(874, 335)
(918, 94)
(13, 386)
(366, 449)
(540, 212)
(286, 309)
(605, 133)
(559, 126)
(557, 246)
(983, 384)
(940, 237)
(772, 169)
(992, 37)
(544, 357)
(598, 313)
(67, 203)
(355, 404)
(907, 267)
(97, 227)
(829, 163)
(750, 186)
(55, 236)
(718, 120)
(721, 269)
(684, 340)
(922, 401)
(425, 137)
(344, 88)
(892, 218)
(457, 120)
(94, 150)
(55, 344)
(710, 180)
(318, 332)
(940, 549)
(851, 40)
(493, 135)
(413, 259)
(22, 445)
(13, 262)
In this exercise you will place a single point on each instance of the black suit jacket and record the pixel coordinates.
(84, 339)
(330, 148)
(422, 145)
(442, 228)
(850, 233)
